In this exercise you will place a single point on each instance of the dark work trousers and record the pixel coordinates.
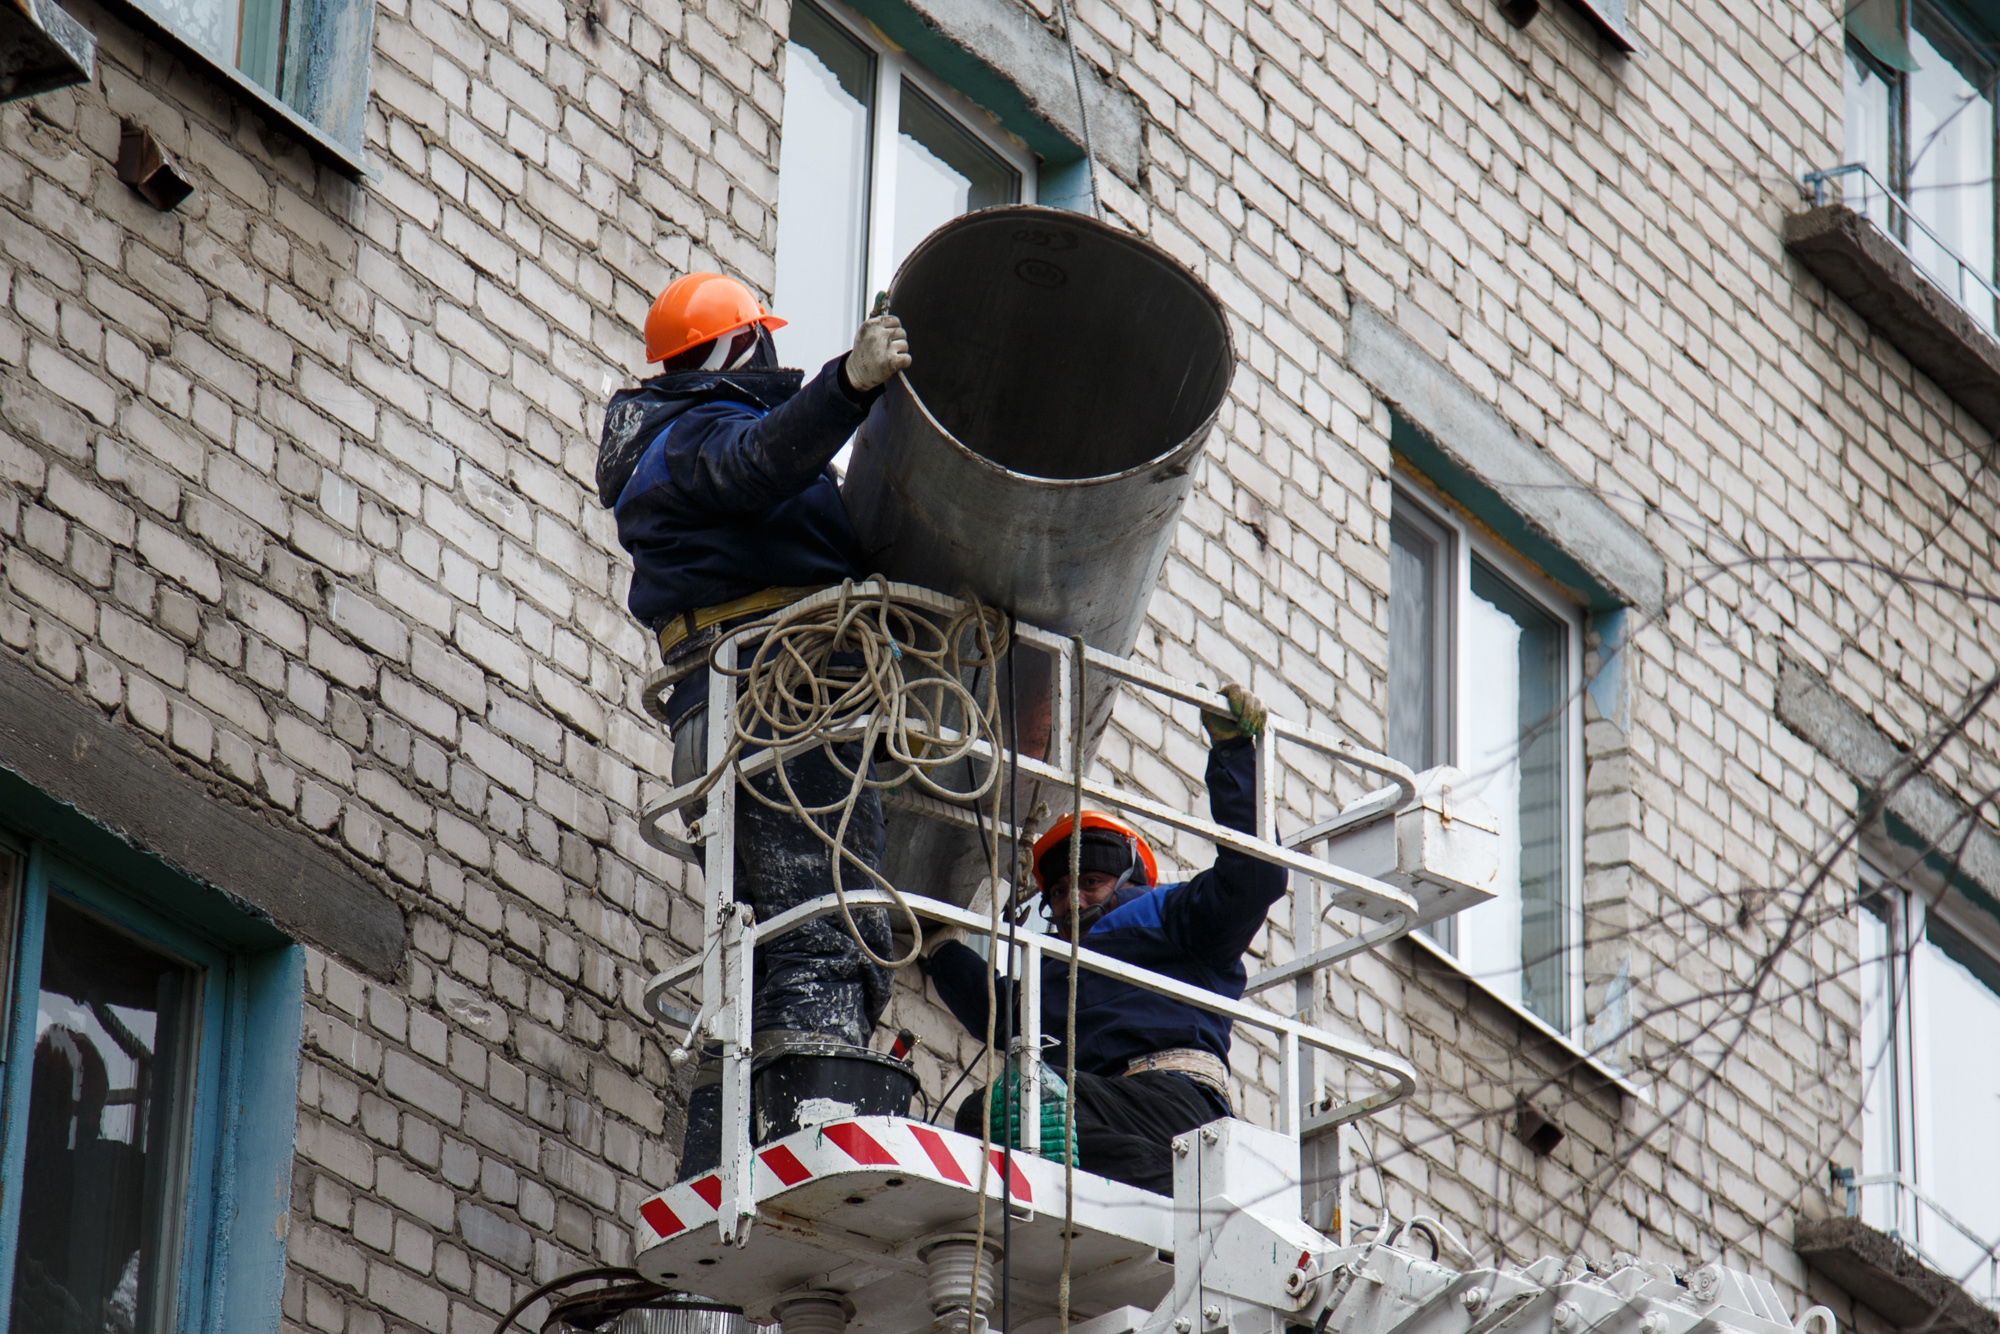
(1124, 1127)
(814, 980)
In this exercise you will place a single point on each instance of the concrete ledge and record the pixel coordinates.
(998, 54)
(1955, 839)
(72, 753)
(1874, 1269)
(1871, 273)
(1517, 488)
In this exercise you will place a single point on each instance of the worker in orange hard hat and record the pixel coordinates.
(1147, 1067)
(716, 470)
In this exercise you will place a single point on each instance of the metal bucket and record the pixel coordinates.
(1037, 452)
(807, 1083)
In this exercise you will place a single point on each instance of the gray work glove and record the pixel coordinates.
(1246, 716)
(881, 348)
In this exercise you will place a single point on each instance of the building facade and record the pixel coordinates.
(1578, 439)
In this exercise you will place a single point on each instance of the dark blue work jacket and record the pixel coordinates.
(720, 486)
(1195, 932)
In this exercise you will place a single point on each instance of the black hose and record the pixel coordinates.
(562, 1281)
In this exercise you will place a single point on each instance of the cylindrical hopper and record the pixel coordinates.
(1037, 452)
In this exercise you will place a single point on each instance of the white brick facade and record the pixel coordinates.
(298, 488)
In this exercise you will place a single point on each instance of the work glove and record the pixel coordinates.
(1246, 716)
(1003, 1111)
(881, 348)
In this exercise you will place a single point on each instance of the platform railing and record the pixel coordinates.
(731, 934)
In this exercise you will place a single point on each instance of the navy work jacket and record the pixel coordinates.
(720, 485)
(1195, 932)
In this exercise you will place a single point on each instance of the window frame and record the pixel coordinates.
(1903, 905)
(892, 66)
(1465, 539)
(295, 32)
(1901, 99)
(246, 1021)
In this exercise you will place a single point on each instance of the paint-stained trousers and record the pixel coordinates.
(812, 981)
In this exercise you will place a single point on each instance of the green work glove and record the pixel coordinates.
(1246, 717)
(1003, 1109)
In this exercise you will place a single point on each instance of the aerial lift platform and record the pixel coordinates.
(869, 1224)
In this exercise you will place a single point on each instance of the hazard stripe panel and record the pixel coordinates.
(932, 1143)
(784, 1164)
(859, 1144)
(709, 1188)
(660, 1218)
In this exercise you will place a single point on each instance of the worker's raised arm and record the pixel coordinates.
(1215, 916)
(727, 460)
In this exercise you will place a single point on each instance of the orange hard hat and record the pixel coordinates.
(1057, 832)
(698, 307)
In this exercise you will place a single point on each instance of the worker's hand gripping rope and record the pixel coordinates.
(899, 690)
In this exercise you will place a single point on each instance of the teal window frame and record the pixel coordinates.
(240, 1130)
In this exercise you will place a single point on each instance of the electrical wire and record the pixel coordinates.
(1082, 111)
(1075, 940)
(557, 1284)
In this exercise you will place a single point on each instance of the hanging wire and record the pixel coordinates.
(1082, 110)
(1075, 936)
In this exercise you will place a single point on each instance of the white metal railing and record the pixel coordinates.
(1969, 285)
(1908, 1213)
(731, 933)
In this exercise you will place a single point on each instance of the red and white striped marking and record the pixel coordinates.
(872, 1145)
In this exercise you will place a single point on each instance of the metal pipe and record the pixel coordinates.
(1037, 453)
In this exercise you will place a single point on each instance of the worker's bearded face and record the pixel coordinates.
(1098, 887)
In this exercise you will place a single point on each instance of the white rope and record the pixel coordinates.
(904, 698)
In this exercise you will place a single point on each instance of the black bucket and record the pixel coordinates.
(805, 1083)
(794, 1084)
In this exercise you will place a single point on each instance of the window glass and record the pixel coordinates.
(823, 190)
(1950, 168)
(942, 170)
(1868, 97)
(1958, 1040)
(1515, 746)
(1416, 564)
(104, 1154)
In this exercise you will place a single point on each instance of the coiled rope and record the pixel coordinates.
(869, 667)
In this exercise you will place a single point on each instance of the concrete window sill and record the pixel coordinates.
(1871, 273)
(1877, 1271)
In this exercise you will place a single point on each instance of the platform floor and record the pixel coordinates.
(845, 1207)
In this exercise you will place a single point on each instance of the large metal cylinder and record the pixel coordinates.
(1064, 376)
(1038, 450)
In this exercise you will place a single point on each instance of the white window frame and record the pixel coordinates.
(1898, 1072)
(1464, 540)
(892, 66)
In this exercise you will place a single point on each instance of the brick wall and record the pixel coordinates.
(297, 486)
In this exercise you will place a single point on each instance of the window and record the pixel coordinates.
(1484, 657)
(1918, 89)
(309, 56)
(875, 155)
(1930, 1066)
(150, 1087)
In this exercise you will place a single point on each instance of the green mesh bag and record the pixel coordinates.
(1004, 1112)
